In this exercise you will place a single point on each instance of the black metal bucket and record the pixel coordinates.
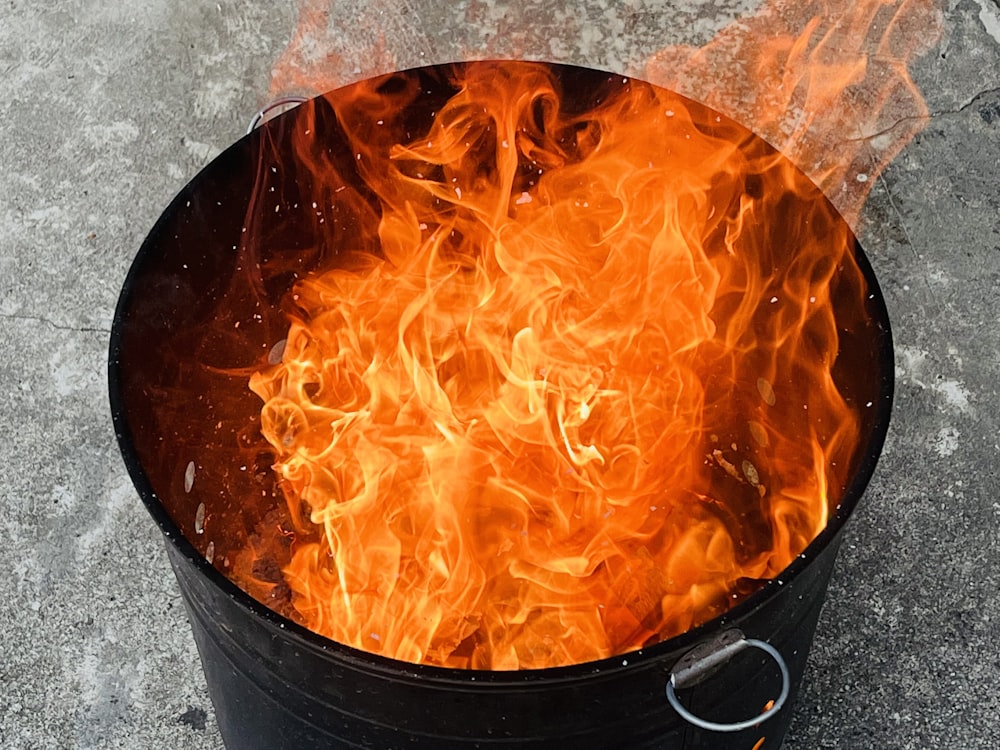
(275, 684)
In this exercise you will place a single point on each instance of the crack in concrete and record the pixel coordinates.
(975, 98)
(913, 249)
(928, 117)
(53, 324)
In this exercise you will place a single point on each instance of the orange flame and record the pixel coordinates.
(568, 406)
(565, 389)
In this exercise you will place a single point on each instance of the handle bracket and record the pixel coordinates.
(284, 101)
(707, 659)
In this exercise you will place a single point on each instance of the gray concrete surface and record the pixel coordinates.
(108, 108)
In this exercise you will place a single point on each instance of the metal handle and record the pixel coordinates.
(262, 112)
(691, 674)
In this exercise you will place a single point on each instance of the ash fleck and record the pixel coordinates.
(766, 391)
(194, 718)
(277, 352)
(189, 477)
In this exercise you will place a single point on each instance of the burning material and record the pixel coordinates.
(561, 385)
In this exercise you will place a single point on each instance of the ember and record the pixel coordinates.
(562, 385)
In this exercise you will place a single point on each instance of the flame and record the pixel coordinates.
(564, 389)
(826, 83)
(559, 383)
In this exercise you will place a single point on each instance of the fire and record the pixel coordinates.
(565, 389)
(558, 380)
(826, 83)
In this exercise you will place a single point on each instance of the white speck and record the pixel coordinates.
(954, 393)
(199, 519)
(458, 192)
(946, 441)
(380, 122)
(862, 177)
(990, 18)
(504, 144)
(71, 369)
(189, 477)
(812, 299)
(522, 199)
(670, 113)
(911, 362)
(422, 226)
(773, 300)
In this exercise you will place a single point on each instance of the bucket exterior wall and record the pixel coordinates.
(274, 687)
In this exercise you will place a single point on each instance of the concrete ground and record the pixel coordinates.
(108, 108)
